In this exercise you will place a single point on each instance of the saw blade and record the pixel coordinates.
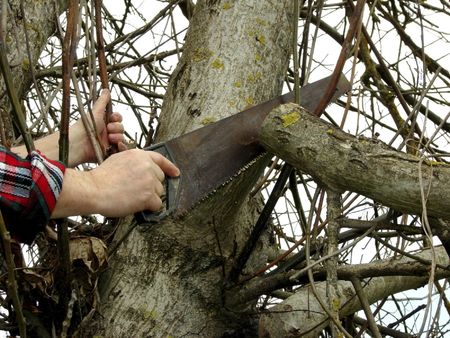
(211, 156)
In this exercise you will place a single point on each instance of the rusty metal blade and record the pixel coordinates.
(210, 156)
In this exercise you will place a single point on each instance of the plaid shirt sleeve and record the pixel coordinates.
(29, 189)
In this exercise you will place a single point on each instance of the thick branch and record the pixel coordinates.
(368, 167)
(301, 315)
(392, 267)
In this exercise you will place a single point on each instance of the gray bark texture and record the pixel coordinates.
(38, 19)
(302, 316)
(168, 280)
(344, 162)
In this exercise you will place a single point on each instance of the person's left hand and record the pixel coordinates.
(81, 148)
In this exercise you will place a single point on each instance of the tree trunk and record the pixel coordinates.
(169, 279)
(35, 18)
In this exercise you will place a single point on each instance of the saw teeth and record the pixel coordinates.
(213, 192)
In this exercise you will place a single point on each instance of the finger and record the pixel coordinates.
(100, 105)
(159, 189)
(116, 138)
(122, 146)
(115, 127)
(166, 166)
(116, 117)
(154, 203)
(157, 172)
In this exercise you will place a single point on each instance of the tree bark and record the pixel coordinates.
(302, 316)
(38, 20)
(169, 279)
(366, 166)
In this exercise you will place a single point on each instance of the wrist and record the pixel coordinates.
(78, 195)
(77, 140)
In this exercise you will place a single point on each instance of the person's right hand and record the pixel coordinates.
(132, 181)
(125, 183)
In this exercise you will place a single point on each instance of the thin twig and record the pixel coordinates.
(12, 94)
(69, 49)
(12, 284)
(424, 192)
(334, 206)
(68, 319)
(88, 123)
(261, 223)
(324, 258)
(295, 53)
(384, 330)
(444, 297)
(355, 24)
(31, 68)
(366, 307)
(322, 304)
(101, 54)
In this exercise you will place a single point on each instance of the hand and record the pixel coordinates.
(125, 183)
(81, 150)
(132, 181)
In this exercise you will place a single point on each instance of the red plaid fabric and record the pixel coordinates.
(29, 189)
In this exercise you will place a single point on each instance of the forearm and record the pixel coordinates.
(48, 146)
(78, 195)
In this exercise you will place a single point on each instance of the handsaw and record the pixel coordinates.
(212, 155)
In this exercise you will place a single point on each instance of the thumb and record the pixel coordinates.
(100, 105)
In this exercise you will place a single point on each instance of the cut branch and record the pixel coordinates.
(366, 166)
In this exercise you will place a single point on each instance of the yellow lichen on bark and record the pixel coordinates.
(290, 118)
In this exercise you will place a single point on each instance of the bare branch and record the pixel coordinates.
(300, 315)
